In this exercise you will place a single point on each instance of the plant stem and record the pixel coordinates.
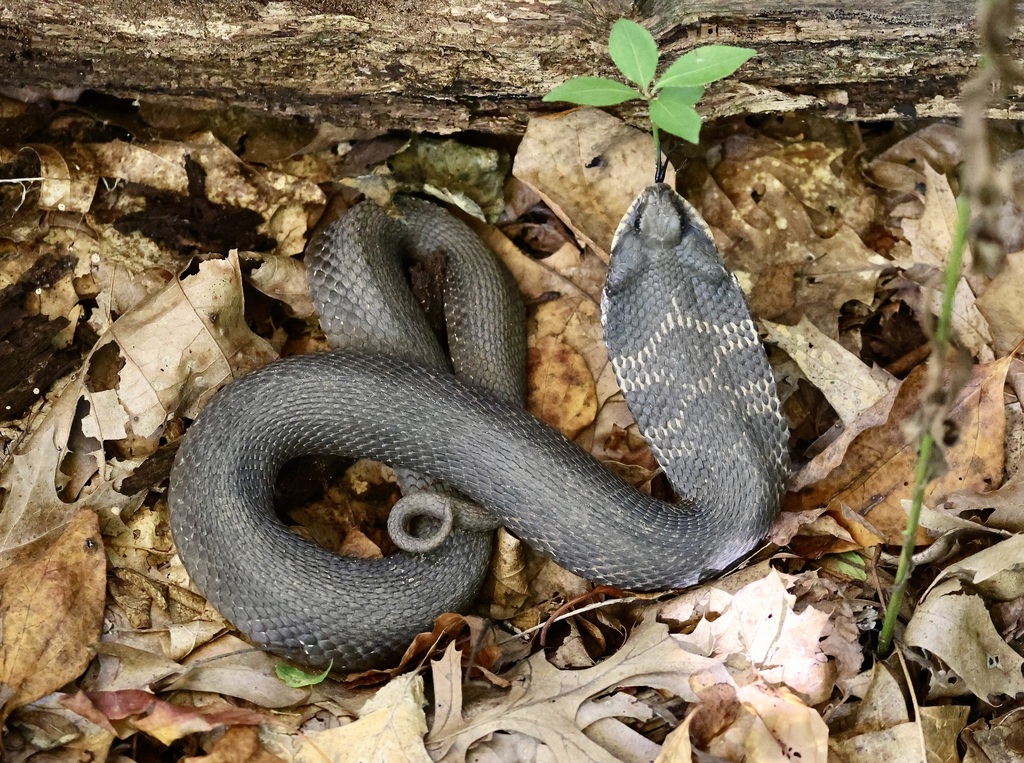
(921, 479)
(659, 166)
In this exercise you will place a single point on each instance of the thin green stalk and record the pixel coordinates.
(921, 479)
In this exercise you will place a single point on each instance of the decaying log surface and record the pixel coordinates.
(446, 65)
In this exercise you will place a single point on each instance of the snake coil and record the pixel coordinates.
(689, 362)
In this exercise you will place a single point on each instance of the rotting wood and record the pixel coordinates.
(448, 65)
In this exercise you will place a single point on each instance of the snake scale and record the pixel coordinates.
(689, 362)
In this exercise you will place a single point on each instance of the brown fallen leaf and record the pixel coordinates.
(1000, 304)
(51, 608)
(284, 278)
(972, 651)
(997, 572)
(588, 166)
(1006, 503)
(560, 389)
(995, 739)
(849, 384)
(775, 209)
(758, 627)
(901, 166)
(546, 703)
(240, 744)
(575, 319)
(877, 471)
(881, 727)
(53, 727)
(162, 359)
(282, 202)
(230, 667)
(63, 185)
(131, 710)
(390, 727)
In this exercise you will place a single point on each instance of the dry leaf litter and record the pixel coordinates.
(151, 255)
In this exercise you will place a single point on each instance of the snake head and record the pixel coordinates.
(659, 223)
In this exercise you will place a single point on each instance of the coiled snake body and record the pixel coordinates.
(689, 362)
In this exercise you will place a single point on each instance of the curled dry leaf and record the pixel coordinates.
(849, 384)
(230, 667)
(880, 726)
(998, 739)
(974, 651)
(58, 726)
(757, 626)
(588, 166)
(61, 188)
(901, 166)
(129, 711)
(874, 476)
(775, 210)
(547, 704)
(783, 728)
(51, 609)
(165, 357)
(1006, 504)
(391, 726)
(997, 571)
(284, 278)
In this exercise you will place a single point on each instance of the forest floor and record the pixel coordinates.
(130, 234)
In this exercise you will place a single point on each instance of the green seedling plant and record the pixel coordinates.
(671, 100)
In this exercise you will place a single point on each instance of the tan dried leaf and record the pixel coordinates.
(849, 385)
(758, 627)
(931, 235)
(989, 740)
(391, 726)
(588, 166)
(1000, 304)
(973, 650)
(876, 473)
(997, 571)
(166, 357)
(758, 198)
(284, 278)
(560, 389)
(545, 703)
(51, 609)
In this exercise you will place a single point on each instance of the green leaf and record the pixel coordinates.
(592, 91)
(685, 96)
(704, 65)
(296, 678)
(850, 563)
(678, 119)
(634, 51)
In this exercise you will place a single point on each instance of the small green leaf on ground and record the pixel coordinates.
(704, 65)
(678, 119)
(296, 678)
(634, 51)
(592, 91)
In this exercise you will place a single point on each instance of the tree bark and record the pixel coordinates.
(448, 65)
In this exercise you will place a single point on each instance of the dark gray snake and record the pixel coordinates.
(688, 359)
